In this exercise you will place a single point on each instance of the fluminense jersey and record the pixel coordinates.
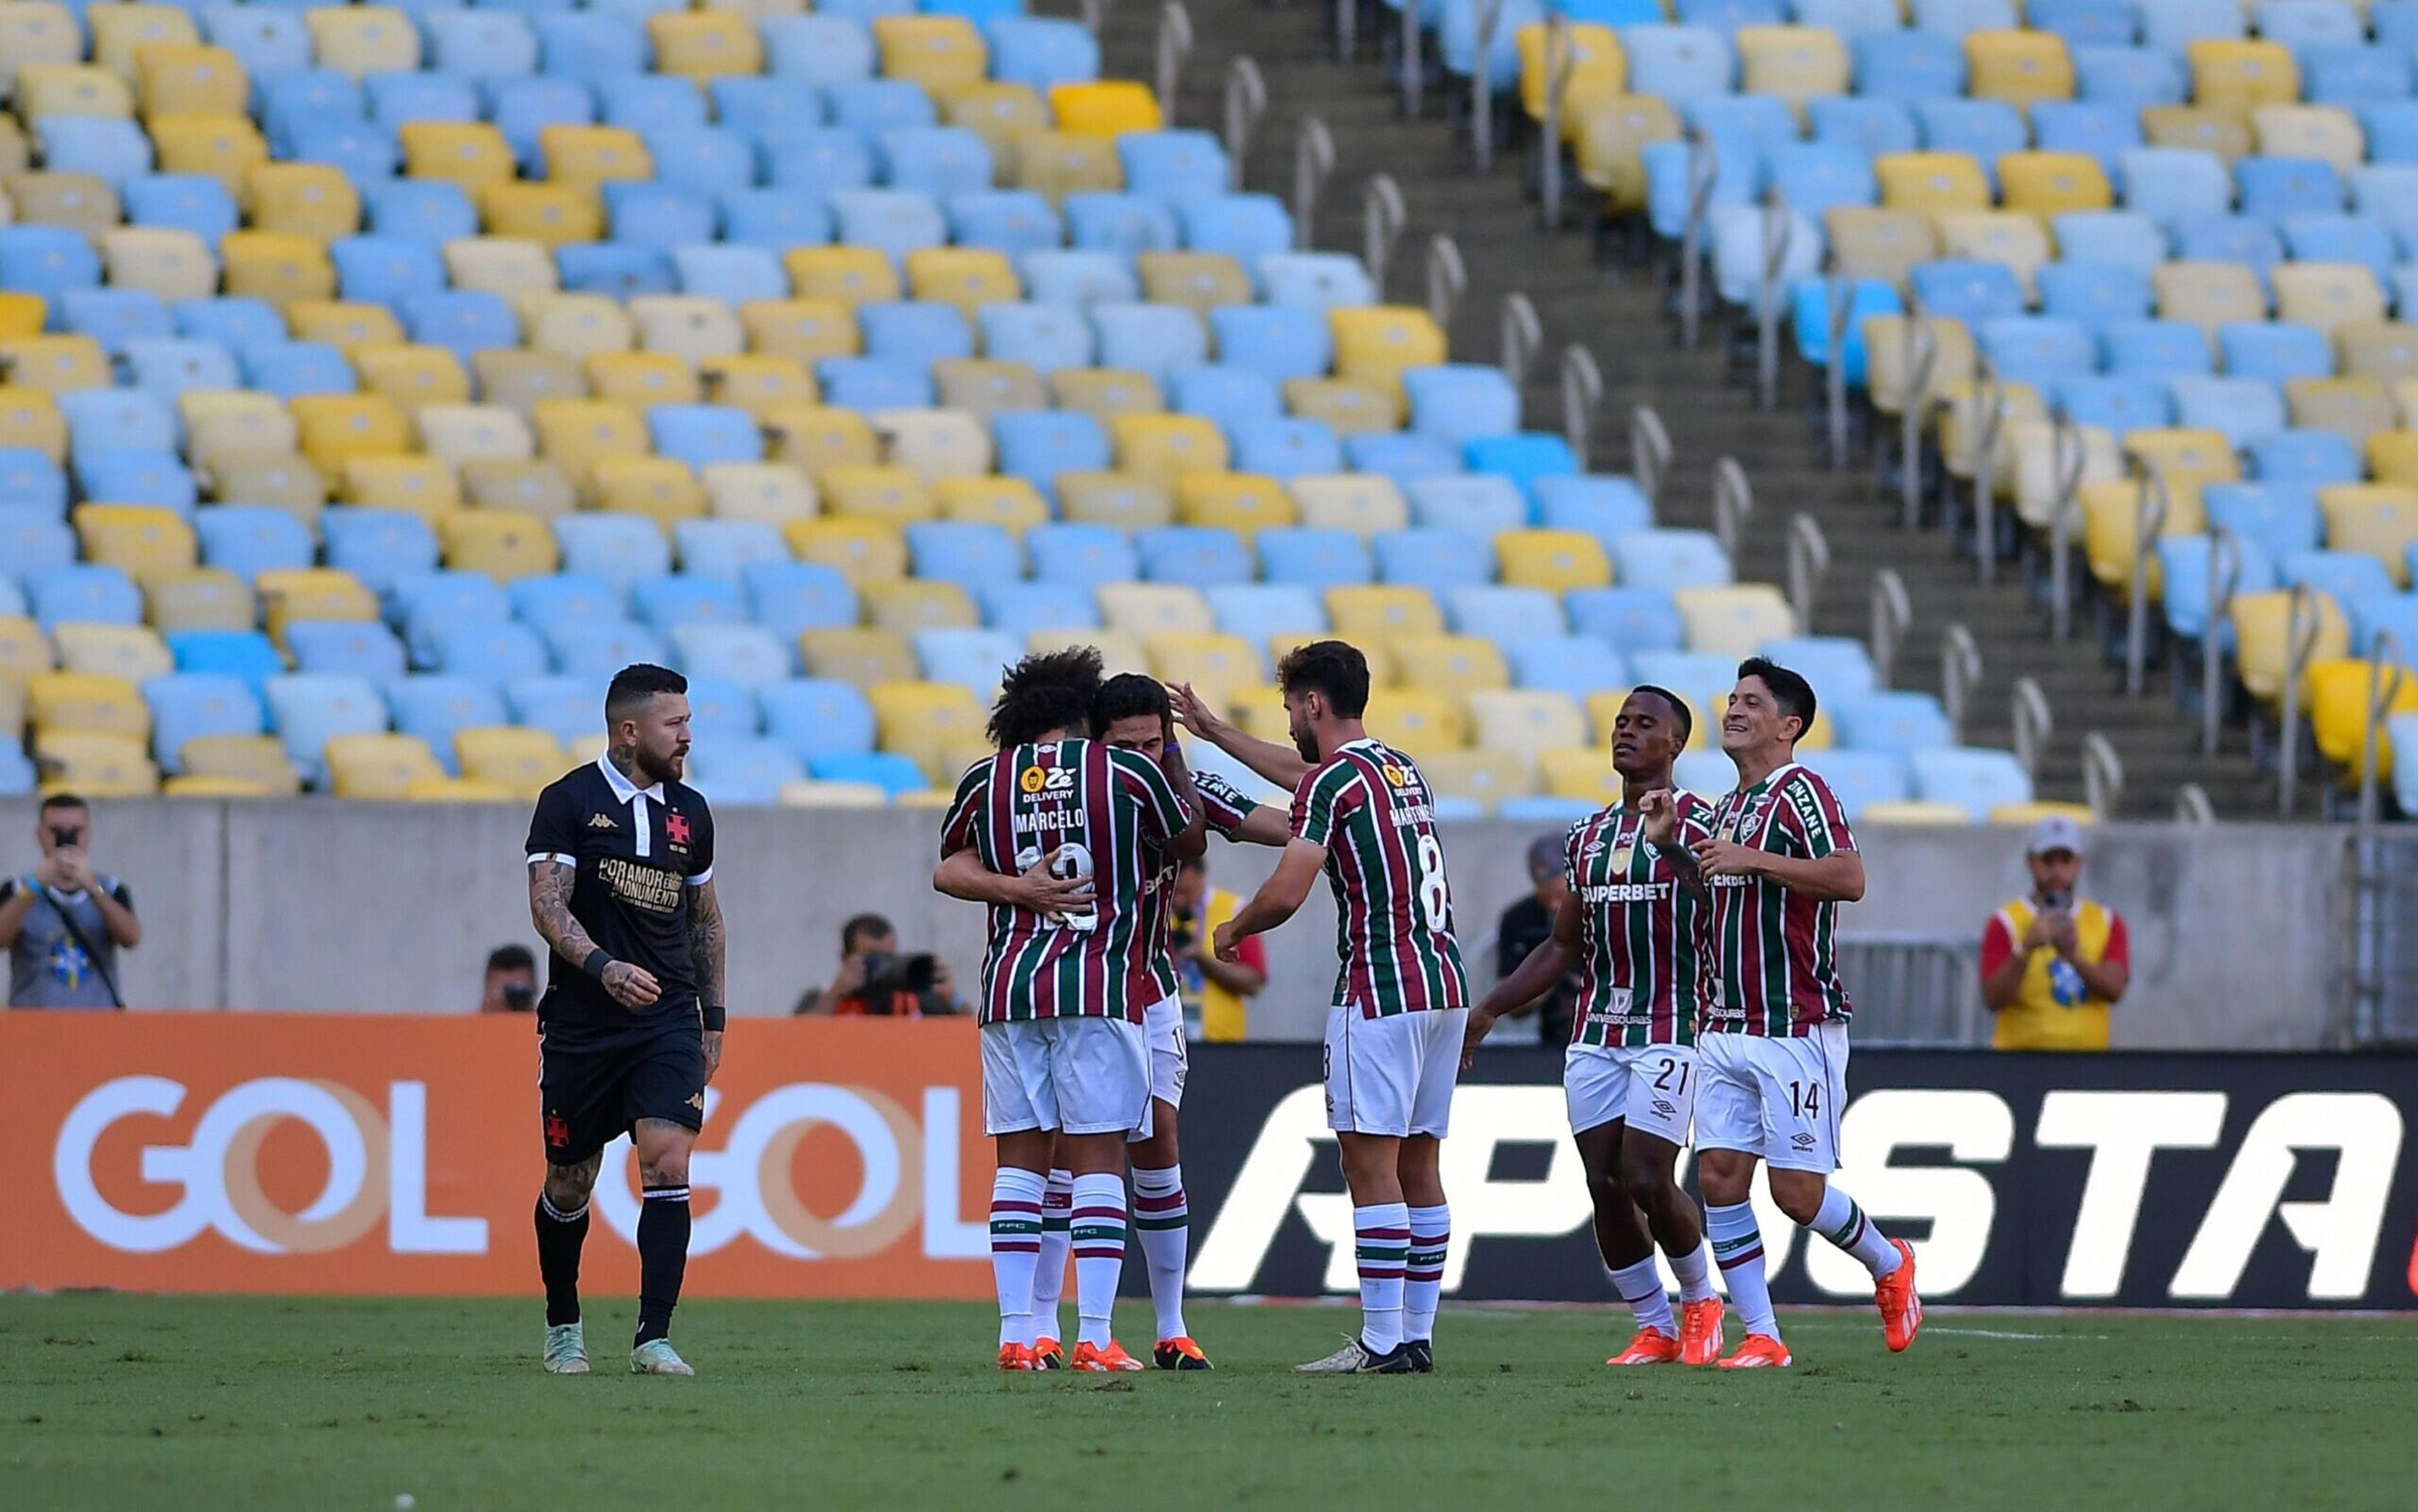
(1369, 805)
(1097, 812)
(1772, 965)
(1638, 951)
(1224, 808)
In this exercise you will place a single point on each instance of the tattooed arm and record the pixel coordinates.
(550, 882)
(705, 950)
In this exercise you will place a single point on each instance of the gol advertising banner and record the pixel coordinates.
(298, 1154)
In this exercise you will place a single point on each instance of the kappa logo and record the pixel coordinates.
(602, 821)
(696, 1100)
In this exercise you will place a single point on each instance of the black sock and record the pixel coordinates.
(663, 1259)
(559, 1236)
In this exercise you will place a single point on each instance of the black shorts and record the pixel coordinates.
(596, 1082)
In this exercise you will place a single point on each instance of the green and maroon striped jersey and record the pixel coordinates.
(1637, 953)
(1773, 963)
(1224, 808)
(1099, 811)
(1369, 806)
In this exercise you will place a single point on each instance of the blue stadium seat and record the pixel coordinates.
(2117, 404)
(2343, 239)
(116, 152)
(1082, 555)
(435, 705)
(943, 161)
(1227, 394)
(398, 98)
(920, 332)
(963, 552)
(308, 709)
(1848, 17)
(1402, 456)
(720, 712)
(1286, 447)
(1969, 291)
(701, 434)
(1100, 220)
(869, 107)
(464, 321)
(624, 270)
(240, 653)
(1861, 778)
(874, 383)
(972, 659)
(1158, 339)
(2353, 74)
(1525, 457)
(32, 483)
(2131, 76)
(1459, 401)
(1432, 557)
(1281, 342)
(1671, 188)
(1457, 41)
(1628, 619)
(1810, 318)
(2095, 294)
(386, 269)
(1983, 128)
(821, 49)
(345, 647)
(186, 705)
(791, 598)
(2092, 127)
(775, 218)
(1685, 62)
(898, 222)
(819, 160)
(2120, 238)
(724, 549)
(306, 96)
(1976, 779)
(1256, 611)
(121, 419)
(1245, 227)
(1019, 609)
(115, 317)
(429, 210)
(2273, 188)
(1866, 125)
(653, 216)
(2038, 349)
(1078, 279)
(2243, 409)
(1038, 445)
(2085, 22)
(1605, 507)
(1046, 337)
(2185, 562)
(2305, 24)
(2319, 457)
(181, 202)
(1481, 506)
(156, 477)
(887, 770)
(523, 107)
(816, 718)
(1173, 165)
(749, 655)
(549, 598)
(1010, 220)
(47, 260)
(709, 158)
(619, 548)
(1814, 178)
(2347, 575)
(1670, 559)
(1908, 66)
(32, 543)
(1314, 557)
(1838, 666)
(1041, 52)
(2274, 350)
(379, 546)
(1492, 611)
(648, 102)
(290, 370)
(365, 152)
(1577, 664)
(566, 708)
(736, 275)
(678, 598)
(2155, 349)
(1316, 280)
(600, 647)
(1197, 555)
(2172, 25)
(475, 637)
(1890, 722)
(249, 539)
(265, 40)
(2173, 184)
(169, 368)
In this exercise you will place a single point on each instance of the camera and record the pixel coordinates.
(69, 835)
(886, 972)
(520, 997)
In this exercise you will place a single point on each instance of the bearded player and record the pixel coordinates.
(1362, 813)
(1777, 862)
(1629, 1074)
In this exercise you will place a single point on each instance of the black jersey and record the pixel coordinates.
(638, 851)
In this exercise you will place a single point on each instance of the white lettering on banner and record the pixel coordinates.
(409, 1229)
(1974, 1125)
(1255, 1206)
(2340, 1232)
(2122, 1130)
(947, 1235)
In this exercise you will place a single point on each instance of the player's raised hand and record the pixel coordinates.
(1473, 1034)
(1661, 812)
(632, 987)
(1717, 857)
(1191, 710)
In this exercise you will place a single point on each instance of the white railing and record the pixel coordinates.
(1892, 611)
(1096, 15)
(1412, 82)
(1834, 371)
(2102, 775)
(1448, 277)
(1561, 62)
(1703, 165)
(2384, 679)
(1649, 452)
(1778, 232)
(1481, 84)
(2032, 721)
(2224, 577)
(1313, 163)
(1993, 417)
(1582, 398)
(1174, 46)
(1522, 336)
(1382, 215)
(1732, 504)
(1960, 673)
(1922, 354)
(2072, 455)
(2151, 504)
(1246, 100)
(2301, 623)
(1809, 563)
(2193, 805)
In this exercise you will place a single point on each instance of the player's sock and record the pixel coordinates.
(1015, 1247)
(1423, 1269)
(1842, 1222)
(1098, 1231)
(559, 1236)
(1694, 1271)
(1163, 1216)
(1641, 1287)
(1049, 1274)
(1737, 1246)
(663, 1259)
(1382, 1243)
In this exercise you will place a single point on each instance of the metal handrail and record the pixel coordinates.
(1779, 231)
(1412, 82)
(1347, 30)
(1448, 277)
(1481, 85)
(2385, 649)
(2193, 805)
(1892, 611)
(1096, 15)
(1561, 63)
(1523, 337)
(1582, 397)
(2072, 454)
(1992, 394)
(2151, 504)
(1914, 406)
(2030, 714)
(1960, 672)
(1175, 45)
(1649, 452)
(1733, 502)
(1313, 163)
(1834, 371)
(1704, 166)
(1246, 100)
(2224, 577)
(2301, 623)
(2102, 775)
(1382, 216)
(1809, 563)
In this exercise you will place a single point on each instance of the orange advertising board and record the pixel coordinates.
(345, 1154)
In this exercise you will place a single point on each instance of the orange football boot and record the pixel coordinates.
(1700, 1331)
(1650, 1347)
(1015, 1357)
(1761, 1352)
(1109, 1357)
(1048, 1354)
(1179, 1354)
(1900, 1309)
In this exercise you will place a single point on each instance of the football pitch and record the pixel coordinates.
(124, 1402)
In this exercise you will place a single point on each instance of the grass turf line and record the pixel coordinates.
(126, 1401)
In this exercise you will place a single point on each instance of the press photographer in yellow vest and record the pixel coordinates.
(2053, 963)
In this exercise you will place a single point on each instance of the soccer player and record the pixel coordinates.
(1362, 813)
(620, 879)
(1065, 1069)
(1629, 1074)
(1773, 1054)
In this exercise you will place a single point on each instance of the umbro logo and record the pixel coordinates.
(1665, 1109)
(1803, 1141)
(601, 822)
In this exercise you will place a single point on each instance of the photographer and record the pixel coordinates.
(874, 980)
(65, 924)
(511, 981)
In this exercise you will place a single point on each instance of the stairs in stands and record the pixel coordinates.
(1619, 313)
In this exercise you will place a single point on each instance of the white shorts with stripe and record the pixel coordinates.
(1392, 1076)
(1080, 1076)
(1779, 1098)
(1651, 1088)
(1162, 1032)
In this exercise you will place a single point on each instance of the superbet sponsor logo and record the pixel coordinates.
(2122, 1130)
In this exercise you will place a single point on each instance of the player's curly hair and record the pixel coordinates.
(1336, 671)
(1047, 691)
(1125, 696)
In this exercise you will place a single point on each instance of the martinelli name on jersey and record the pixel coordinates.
(1369, 805)
(1224, 808)
(1773, 968)
(1638, 955)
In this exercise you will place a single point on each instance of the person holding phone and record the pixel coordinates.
(63, 923)
(2053, 964)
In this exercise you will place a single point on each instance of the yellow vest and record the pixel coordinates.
(2053, 1009)
(1224, 1015)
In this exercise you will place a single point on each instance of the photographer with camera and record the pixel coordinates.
(65, 924)
(2054, 964)
(512, 981)
(876, 980)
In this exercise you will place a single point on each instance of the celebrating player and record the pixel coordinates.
(1777, 862)
(620, 880)
(1361, 812)
(1629, 927)
(1064, 984)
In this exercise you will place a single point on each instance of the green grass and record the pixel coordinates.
(131, 1401)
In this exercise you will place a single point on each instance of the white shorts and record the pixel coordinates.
(1392, 1076)
(1652, 1088)
(1162, 1032)
(1078, 1076)
(1774, 1097)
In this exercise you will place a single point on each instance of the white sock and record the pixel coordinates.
(1050, 1276)
(1641, 1287)
(1737, 1246)
(1423, 1270)
(1381, 1237)
(1164, 1221)
(1097, 1229)
(1695, 1270)
(1843, 1223)
(1015, 1246)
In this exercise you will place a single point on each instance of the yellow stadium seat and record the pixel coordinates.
(853, 654)
(1163, 447)
(232, 422)
(2187, 459)
(2386, 351)
(455, 790)
(224, 147)
(336, 426)
(692, 327)
(1416, 719)
(1199, 281)
(21, 315)
(966, 277)
(894, 497)
(304, 199)
(1589, 56)
(1055, 164)
(864, 550)
(2392, 457)
(1608, 139)
(1246, 503)
(361, 40)
(208, 598)
(2208, 294)
(1366, 504)
(908, 605)
(2234, 74)
(1555, 560)
(2050, 184)
(642, 379)
(934, 444)
(1215, 664)
(2225, 132)
(1107, 108)
(471, 154)
(2111, 515)
(145, 542)
(282, 480)
(514, 268)
(530, 487)
(1795, 62)
(37, 32)
(1891, 366)
(577, 324)
(1011, 503)
(815, 793)
(345, 324)
(1733, 620)
(756, 383)
(578, 434)
(2262, 629)
(585, 157)
(1378, 342)
(2356, 407)
(844, 276)
(279, 268)
(79, 201)
(382, 766)
(1480, 776)
(55, 363)
(455, 433)
(1005, 115)
(986, 388)
(2378, 519)
(2328, 133)
(1259, 710)
(192, 787)
(174, 264)
(1867, 242)
(1961, 427)
(186, 79)
(24, 650)
(71, 89)
(1347, 407)
(1105, 393)
(1525, 722)
(2014, 241)
(2340, 694)
(664, 490)
(414, 377)
(1914, 811)
(805, 331)
(1363, 612)
(698, 45)
(522, 380)
(1450, 666)
(1143, 609)
(1123, 499)
(817, 439)
(30, 419)
(2328, 296)
(93, 764)
(2040, 467)
(418, 485)
(919, 719)
(311, 593)
(2018, 67)
(765, 492)
(503, 544)
(253, 760)
(937, 52)
(131, 653)
(551, 214)
(2028, 814)
(1932, 182)
(521, 761)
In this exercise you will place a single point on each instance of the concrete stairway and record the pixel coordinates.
(1620, 314)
